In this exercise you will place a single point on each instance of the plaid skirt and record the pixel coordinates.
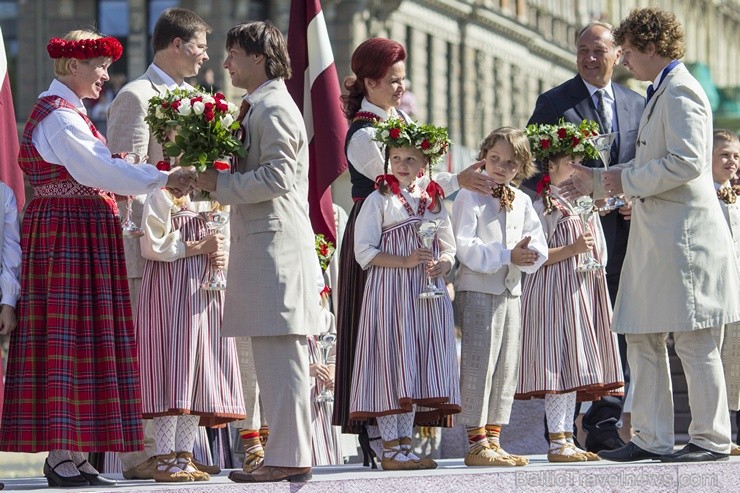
(72, 381)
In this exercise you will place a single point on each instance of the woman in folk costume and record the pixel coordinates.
(725, 163)
(73, 376)
(498, 237)
(374, 94)
(568, 352)
(189, 373)
(406, 353)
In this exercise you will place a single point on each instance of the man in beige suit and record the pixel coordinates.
(272, 296)
(179, 43)
(679, 273)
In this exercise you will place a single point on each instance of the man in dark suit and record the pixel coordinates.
(592, 95)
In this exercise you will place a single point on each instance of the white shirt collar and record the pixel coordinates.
(608, 88)
(384, 115)
(59, 89)
(717, 186)
(169, 81)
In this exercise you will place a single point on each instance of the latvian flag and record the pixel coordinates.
(10, 173)
(315, 89)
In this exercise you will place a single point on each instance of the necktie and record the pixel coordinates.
(604, 112)
(650, 92)
(243, 110)
(505, 195)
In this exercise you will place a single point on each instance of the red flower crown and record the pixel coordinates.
(84, 49)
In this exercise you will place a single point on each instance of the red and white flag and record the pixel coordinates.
(315, 89)
(10, 173)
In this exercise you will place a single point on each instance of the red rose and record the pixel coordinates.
(562, 133)
(175, 105)
(219, 96)
(425, 144)
(394, 133)
(208, 114)
(163, 166)
(196, 99)
(545, 143)
(324, 250)
(575, 141)
(165, 105)
(222, 107)
(221, 165)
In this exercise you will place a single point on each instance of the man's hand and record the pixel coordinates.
(521, 254)
(471, 178)
(8, 321)
(207, 180)
(612, 180)
(181, 181)
(580, 183)
(626, 210)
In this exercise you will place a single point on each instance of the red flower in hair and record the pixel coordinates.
(425, 144)
(543, 184)
(84, 49)
(545, 143)
(575, 140)
(562, 133)
(394, 133)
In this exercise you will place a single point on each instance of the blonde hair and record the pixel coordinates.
(519, 142)
(723, 136)
(61, 65)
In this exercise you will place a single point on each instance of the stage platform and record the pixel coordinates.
(452, 476)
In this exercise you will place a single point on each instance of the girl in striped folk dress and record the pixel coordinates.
(406, 354)
(568, 352)
(498, 237)
(189, 373)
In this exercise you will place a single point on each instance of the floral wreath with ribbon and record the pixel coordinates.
(562, 139)
(84, 49)
(431, 140)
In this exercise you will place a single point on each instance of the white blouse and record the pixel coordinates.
(10, 286)
(64, 138)
(380, 211)
(160, 241)
(367, 155)
(485, 234)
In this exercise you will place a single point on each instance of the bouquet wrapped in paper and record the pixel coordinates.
(195, 126)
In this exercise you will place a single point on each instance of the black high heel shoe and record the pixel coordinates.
(54, 479)
(95, 479)
(368, 454)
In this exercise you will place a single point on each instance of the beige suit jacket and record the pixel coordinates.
(272, 261)
(128, 132)
(680, 271)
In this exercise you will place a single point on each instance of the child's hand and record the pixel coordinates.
(219, 259)
(212, 243)
(584, 243)
(8, 322)
(324, 373)
(419, 256)
(521, 254)
(439, 268)
(626, 210)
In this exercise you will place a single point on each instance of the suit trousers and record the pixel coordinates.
(281, 364)
(250, 388)
(490, 326)
(727, 338)
(652, 407)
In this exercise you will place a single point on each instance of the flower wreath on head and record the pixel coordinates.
(84, 49)
(431, 140)
(564, 138)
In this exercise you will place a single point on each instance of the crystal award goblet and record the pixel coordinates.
(584, 207)
(325, 343)
(603, 144)
(215, 222)
(129, 227)
(427, 231)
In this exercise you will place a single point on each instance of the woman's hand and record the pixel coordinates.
(439, 268)
(584, 243)
(472, 179)
(419, 256)
(8, 321)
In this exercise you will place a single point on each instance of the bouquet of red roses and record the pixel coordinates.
(325, 250)
(196, 126)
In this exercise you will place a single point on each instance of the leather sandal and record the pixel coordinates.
(390, 462)
(484, 456)
(185, 462)
(167, 470)
(519, 460)
(425, 462)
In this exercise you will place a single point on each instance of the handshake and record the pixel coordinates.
(181, 181)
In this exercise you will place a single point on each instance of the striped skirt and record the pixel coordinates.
(567, 345)
(186, 366)
(73, 375)
(325, 439)
(406, 352)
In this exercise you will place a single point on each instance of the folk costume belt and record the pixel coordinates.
(67, 188)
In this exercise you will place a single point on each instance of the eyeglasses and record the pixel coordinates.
(202, 48)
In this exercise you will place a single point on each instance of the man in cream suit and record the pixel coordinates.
(272, 296)
(671, 279)
(179, 42)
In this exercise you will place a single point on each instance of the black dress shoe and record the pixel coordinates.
(694, 453)
(95, 479)
(54, 479)
(628, 453)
